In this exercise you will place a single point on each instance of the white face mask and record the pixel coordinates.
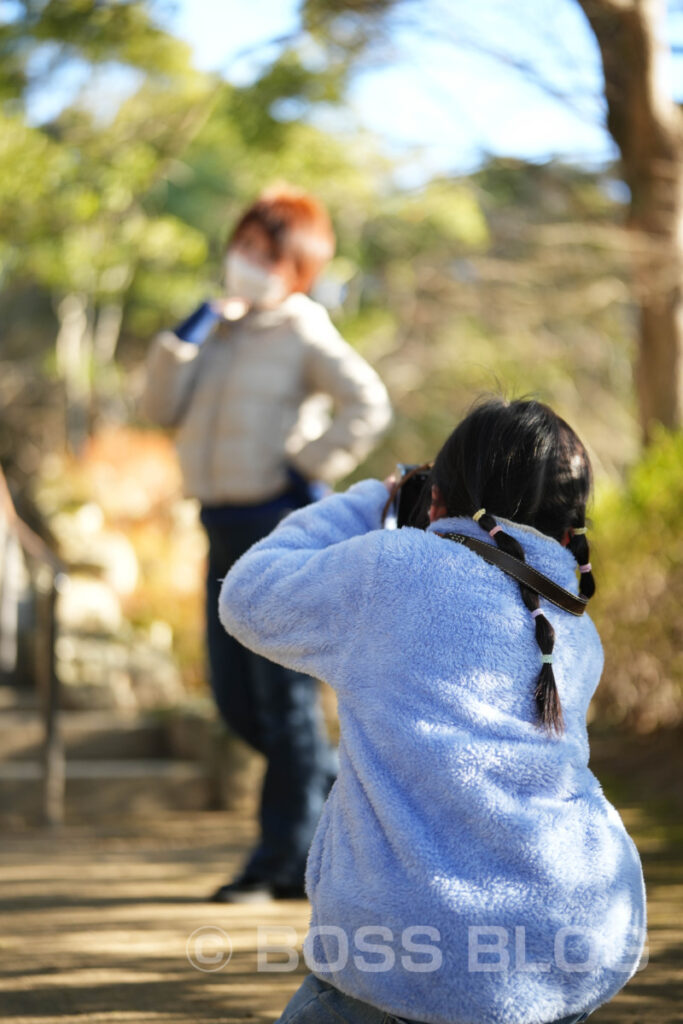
(245, 279)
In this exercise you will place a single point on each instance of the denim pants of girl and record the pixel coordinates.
(318, 1002)
(276, 711)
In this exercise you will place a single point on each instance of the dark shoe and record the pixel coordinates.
(244, 890)
(289, 892)
(256, 890)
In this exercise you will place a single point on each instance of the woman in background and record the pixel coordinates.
(232, 379)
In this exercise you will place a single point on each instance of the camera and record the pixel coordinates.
(410, 502)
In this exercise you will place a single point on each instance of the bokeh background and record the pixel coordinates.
(505, 183)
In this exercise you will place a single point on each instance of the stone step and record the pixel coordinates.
(106, 789)
(16, 698)
(85, 734)
(125, 764)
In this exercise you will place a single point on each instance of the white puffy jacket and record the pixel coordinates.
(242, 402)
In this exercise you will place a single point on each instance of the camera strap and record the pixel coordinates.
(523, 573)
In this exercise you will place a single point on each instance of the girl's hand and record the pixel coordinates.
(389, 482)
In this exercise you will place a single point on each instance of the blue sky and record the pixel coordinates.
(441, 103)
(445, 95)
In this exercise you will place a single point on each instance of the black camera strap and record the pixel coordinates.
(523, 573)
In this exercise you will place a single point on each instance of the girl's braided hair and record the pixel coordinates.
(521, 461)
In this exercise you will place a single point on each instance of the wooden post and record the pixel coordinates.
(49, 575)
(54, 769)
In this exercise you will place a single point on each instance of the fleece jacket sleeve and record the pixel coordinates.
(299, 595)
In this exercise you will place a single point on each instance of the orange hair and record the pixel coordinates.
(298, 227)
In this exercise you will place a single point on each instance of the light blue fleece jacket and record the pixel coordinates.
(452, 811)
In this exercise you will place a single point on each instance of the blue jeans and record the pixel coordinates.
(318, 1002)
(276, 711)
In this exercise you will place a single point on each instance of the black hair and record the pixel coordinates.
(521, 461)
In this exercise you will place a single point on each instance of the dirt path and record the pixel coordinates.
(96, 922)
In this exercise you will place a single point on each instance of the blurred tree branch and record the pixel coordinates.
(644, 122)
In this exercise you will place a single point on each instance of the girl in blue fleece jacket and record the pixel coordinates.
(467, 867)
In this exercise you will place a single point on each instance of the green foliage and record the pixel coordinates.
(88, 29)
(447, 211)
(442, 219)
(255, 110)
(347, 27)
(512, 279)
(656, 486)
(638, 560)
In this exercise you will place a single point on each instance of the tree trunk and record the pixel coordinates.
(73, 354)
(647, 126)
(107, 331)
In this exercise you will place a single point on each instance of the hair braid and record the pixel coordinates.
(546, 695)
(578, 545)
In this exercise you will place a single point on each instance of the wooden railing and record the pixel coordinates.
(48, 575)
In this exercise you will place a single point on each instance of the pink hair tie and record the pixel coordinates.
(537, 612)
(585, 568)
(495, 530)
